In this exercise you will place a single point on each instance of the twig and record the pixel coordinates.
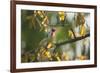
(73, 40)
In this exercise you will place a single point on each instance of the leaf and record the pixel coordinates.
(48, 55)
(49, 45)
(70, 33)
(65, 56)
(40, 13)
(44, 20)
(58, 58)
(61, 15)
(82, 30)
(82, 57)
(80, 19)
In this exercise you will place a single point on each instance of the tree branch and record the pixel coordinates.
(73, 40)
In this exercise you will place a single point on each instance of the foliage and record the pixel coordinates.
(54, 36)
